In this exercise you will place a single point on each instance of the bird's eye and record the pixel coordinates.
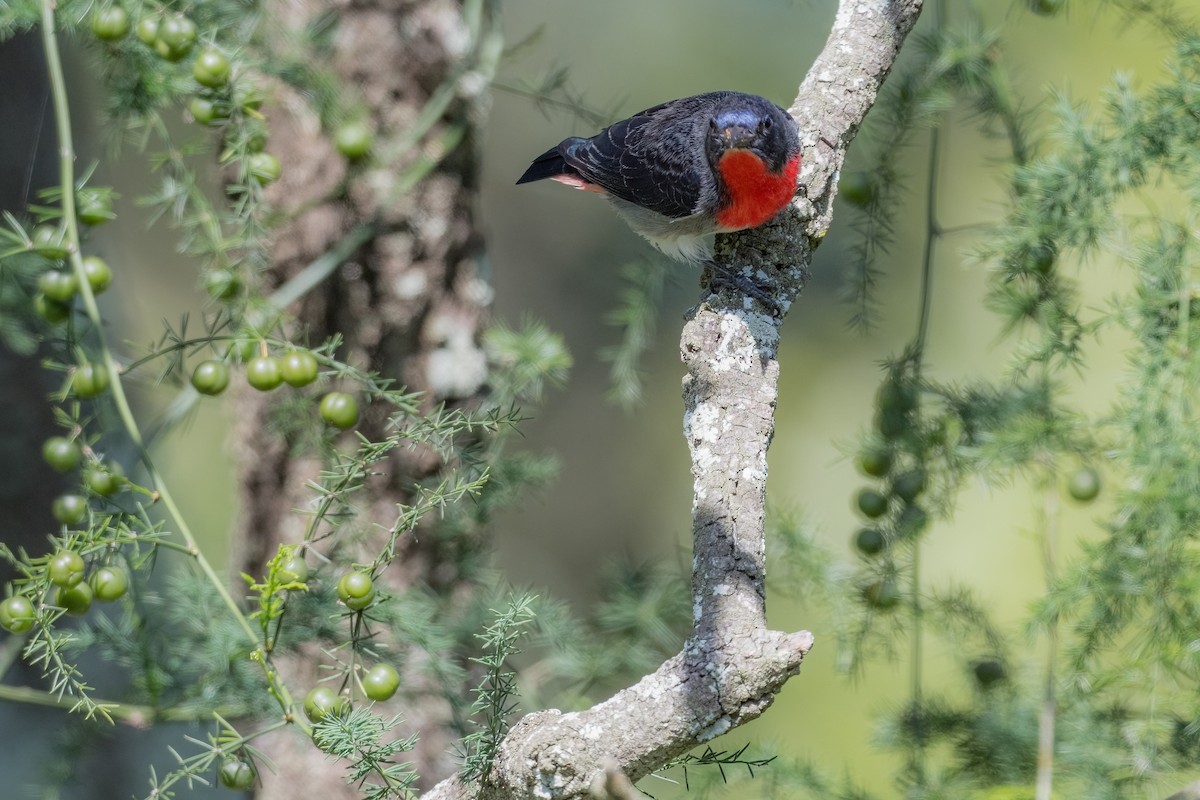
(765, 125)
(712, 125)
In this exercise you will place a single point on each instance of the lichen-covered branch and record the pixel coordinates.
(732, 665)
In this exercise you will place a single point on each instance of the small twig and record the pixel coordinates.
(613, 784)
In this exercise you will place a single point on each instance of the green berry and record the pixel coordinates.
(871, 503)
(52, 311)
(356, 590)
(89, 380)
(381, 682)
(323, 701)
(882, 594)
(236, 774)
(210, 377)
(61, 453)
(205, 111)
(263, 373)
(895, 396)
(104, 479)
(353, 140)
(891, 424)
(858, 188)
(870, 541)
(147, 30)
(99, 274)
(69, 509)
(110, 24)
(174, 38)
(1084, 484)
(339, 410)
(75, 599)
(66, 568)
(58, 285)
(875, 461)
(911, 520)
(94, 206)
(211, 69)
(264, 167)
(988, 672)
(109, 584)
(1046, 8)
(49, 242)
(299, 368)
(294, 569)
(909, 485)
(17, 614)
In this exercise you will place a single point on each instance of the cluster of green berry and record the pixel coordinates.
(379, 683)
(356, 590)
(58, 285)
(1046, 8)
(893, 508)
(895, 454)
(102, 478)
(297, 368)
(172, 37)
(66, 570)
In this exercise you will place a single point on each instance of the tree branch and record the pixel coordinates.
(732, 665)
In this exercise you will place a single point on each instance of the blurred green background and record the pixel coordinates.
(625, 490)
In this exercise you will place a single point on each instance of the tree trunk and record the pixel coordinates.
(409, 302)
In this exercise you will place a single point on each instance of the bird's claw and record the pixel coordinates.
(723, 276)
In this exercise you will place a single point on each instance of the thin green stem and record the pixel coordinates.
(135, 715)
(916, 664)
(66, 167)
(315, 273)
(1046, 718)
(932, 234)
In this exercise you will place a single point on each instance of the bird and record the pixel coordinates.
(687, 169)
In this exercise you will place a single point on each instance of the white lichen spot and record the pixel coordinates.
(753, 475)
(722, 590)
(703, 420)
(479, 292)
(716, 729)
(591, 731)
(410, 285)
(453, 372)
(472, 84)
(549, 783)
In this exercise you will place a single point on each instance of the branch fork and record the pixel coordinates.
(732, 665)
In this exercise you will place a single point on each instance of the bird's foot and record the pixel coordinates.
(723, 276)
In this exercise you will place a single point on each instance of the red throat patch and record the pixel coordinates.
(755, 193)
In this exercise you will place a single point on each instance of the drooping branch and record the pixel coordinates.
(732, 665)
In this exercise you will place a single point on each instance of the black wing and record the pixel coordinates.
(648, 159)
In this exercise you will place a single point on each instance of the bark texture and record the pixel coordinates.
(732, 665)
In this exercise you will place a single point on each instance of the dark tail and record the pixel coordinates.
(547, 165)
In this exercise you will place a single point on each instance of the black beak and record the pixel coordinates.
(737, 136)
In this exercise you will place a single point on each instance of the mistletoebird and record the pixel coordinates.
(683, 171)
